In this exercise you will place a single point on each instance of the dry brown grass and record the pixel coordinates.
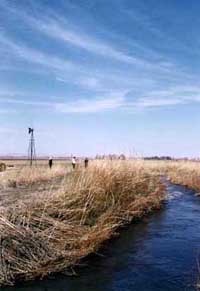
(26, 175)
(185, 173)
(56, 231)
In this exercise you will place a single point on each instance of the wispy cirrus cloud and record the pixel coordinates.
(66, 71)
(87, 81)
(110, 101)
(59, 28)
(81, 40)
(144, 75)
(33, 55)
(159, 102)
(78, 106)
(90, 106)
(177, 95)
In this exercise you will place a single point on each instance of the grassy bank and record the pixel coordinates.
(186, 173)
(55, 231)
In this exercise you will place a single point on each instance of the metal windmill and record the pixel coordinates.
(31, 148)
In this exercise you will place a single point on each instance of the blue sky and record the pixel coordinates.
(100, 76)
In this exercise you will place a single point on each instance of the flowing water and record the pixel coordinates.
(159, 253)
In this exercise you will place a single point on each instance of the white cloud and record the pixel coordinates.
(158, 102)
(35, 56)
(90, 106)
(144, 77)
(88, 82)
(98, 104)
(57, 27)
(114, 100)
(176, 95)
(25, 102)
(79, 39)
(94, 78)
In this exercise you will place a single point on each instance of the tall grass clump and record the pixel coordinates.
(53, 233)
(186, 173)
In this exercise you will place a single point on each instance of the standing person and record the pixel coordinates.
(74, 162)
(50, 162)
(86, 161)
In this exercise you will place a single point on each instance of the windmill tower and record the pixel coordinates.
(31, 147)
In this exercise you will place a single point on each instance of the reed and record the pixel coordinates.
(186, 173)
(54, 232)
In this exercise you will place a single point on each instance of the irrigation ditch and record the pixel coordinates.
(158, 253)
